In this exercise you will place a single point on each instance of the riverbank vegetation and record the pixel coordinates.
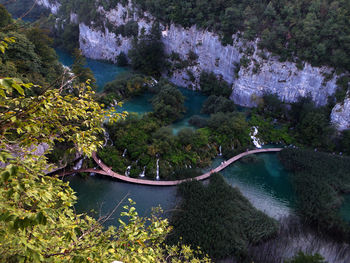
(219, 219)
(320, 181)
(38, 221)
(31, 58)
(304, 39)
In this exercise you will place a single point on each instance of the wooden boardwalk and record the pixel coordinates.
(105, 170)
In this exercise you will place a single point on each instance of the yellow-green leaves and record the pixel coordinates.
(38, 222)
(5, 42)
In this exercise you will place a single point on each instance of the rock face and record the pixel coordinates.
(50, 4)
(258, 77)
(340, 115)
(283, 79)
(249, 81)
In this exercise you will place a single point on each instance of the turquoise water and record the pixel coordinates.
(265, 183)
(103, 71)
(140, 104)
(193, 104)
(102, 194)
(345, 208)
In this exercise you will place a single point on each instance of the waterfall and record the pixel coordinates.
(79, 164)
(220, 152)
(127, 172)
(157, 177)
(124, 153)
(106, 134)
(256, 141)
(107, 138)
(143, 172)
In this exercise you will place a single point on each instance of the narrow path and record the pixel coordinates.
(108, 171)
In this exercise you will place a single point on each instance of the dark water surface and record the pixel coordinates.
(264, 182)
(104, 72)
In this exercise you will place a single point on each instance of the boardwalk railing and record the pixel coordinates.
(108, 171)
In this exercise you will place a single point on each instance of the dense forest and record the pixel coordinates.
(37, 208)
(320, 181)
(38, 221)
(298, 30)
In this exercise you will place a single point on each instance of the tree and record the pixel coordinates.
(147, 53)
(168, 104)
(302, 257)
(38, 222)
(5, 17)
(211, 85)
(80, 70)
(122, 60)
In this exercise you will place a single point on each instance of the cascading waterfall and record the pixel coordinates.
(127, 172)
(143, 174)
(256, 141)
(79, 164)
(220, 152)
(124, 153)
(157, 177)
(107, 139)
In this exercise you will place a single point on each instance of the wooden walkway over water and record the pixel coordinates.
(105, 170)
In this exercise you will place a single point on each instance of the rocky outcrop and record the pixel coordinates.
(281, 78)
(102, 45)
(340, 115)
(261, 73)
(258, 77)
(50, 4)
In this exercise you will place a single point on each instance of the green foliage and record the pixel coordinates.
(122, 60)
(146, 140)
(291, 29)
(168, 104)
(219, 219)
(126, 85)
(67, 37)
(270, 132)
(345, 141)
(130, 29)
(216, 104)
(38, 222)
(31, 58)
(343, 88)
(80, 70)
(319, 180)
(230, 130)
(211, 85)
(5, 17)
(300, 122)
(147, 53)
(273, 107)
(301, 257)
(198, 121)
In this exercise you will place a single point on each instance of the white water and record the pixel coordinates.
(124, 153)
(157, 177)
(143, 174)
(79, 164)
(107, 139)
(253, 134)
(220, 152)
(127, 172)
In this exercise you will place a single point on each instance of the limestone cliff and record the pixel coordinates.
(262, 73)
(341, 115)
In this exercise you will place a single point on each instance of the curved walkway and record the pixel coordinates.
(108, 171)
